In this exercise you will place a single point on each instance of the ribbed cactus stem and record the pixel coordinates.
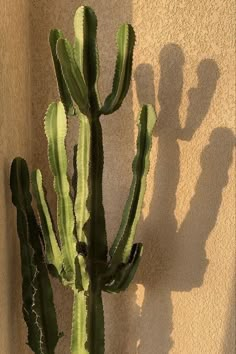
(88, 318)
(97, 228)
(89, 334)
(95, 322)
(97, 242)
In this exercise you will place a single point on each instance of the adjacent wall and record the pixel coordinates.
(182, 300)
(15, 137)
(185, 64)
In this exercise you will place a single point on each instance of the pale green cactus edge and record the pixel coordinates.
(77, 252)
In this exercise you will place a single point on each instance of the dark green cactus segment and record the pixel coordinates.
(29, 273)
(125, 43)
(95, 323)
(86, 52)
(66, 99)
(123, 242)
(19, 182)
(73, 76)
(21, 198)
(38, 308)
(96, 226)
(124, 274)
(132, 266)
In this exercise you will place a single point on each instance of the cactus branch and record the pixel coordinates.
(86, 52)
(55, 129)
(38, 308)
(56, 34)
(121, 247)
(72, 74)
(52, 250)
(125, 44)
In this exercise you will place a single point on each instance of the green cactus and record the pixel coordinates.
(77, 253)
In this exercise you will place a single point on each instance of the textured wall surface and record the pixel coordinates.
(15, 133)
(183, 299)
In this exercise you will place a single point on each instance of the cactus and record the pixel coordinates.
(77, 252)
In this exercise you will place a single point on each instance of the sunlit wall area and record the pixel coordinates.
(184, 64)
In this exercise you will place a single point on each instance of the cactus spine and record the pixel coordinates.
(77, 253)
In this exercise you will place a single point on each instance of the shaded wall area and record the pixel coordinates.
(15, 137)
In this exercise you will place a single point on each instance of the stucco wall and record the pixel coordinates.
(15, 137)
(182, 300)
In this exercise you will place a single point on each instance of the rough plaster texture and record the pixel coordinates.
(183, 300)
(15, 137)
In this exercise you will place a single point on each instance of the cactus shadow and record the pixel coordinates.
(174, 258)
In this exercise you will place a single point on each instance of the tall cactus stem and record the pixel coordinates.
(88, 323)
(96, 338)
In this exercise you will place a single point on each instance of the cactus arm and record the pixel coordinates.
(123, 69)
(82, 175)
(72, 75)
(66, 99)
(86, 53)
(136, 254)
(55, 129)
(38, 308)
(123, 275)
(122, 244)
(52, 250)
(29, 275)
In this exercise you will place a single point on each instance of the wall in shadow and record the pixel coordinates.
(15, 140)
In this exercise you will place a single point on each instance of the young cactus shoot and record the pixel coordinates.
(76, 252)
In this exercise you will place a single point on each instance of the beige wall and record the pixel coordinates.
(184, 63)
(15, 137)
